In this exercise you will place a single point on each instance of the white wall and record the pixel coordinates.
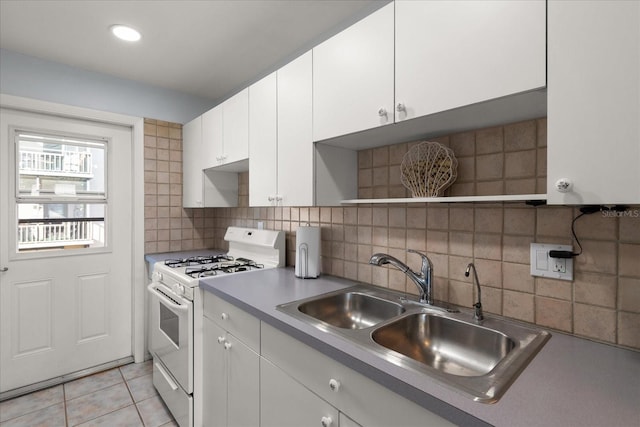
(31, 77)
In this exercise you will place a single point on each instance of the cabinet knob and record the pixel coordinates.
(563, 185)
(221, 340)
(271, 198)
(3, 269)
(400, 107)
(326, 421)
(227, 345)
(334, 385)
(382, 112)
(224, 316)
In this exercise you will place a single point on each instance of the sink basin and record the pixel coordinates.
(351, 310)
(478, 359)
(448, 345)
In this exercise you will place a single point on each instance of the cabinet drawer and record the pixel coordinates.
(365, 401)
(233, 319)
(286, 403)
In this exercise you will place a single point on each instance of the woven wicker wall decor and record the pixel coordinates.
(428, 169)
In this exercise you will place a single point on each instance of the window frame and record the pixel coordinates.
(19, 199)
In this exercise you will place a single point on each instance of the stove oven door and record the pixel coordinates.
(171, 333)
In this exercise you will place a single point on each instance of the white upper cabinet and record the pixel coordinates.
(451, 54)
(295, 142)
(263, 142)
(212, 137)
(192, 177)
(353, 77)
(593, 128)
(225, 134)
(235, 126)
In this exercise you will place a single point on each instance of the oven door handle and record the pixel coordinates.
(166, 376)
(180, 307)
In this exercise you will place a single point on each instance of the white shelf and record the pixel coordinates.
(462, 199)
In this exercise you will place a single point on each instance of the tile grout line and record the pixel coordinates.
(99, 390)
(64, 405)
(135, 404)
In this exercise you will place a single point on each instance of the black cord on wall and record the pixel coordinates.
(584, 210)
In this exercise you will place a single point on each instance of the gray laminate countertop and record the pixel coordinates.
(571, 382)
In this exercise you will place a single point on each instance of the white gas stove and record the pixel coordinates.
(175, 313)
(249, 249)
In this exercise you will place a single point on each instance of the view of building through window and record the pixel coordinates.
(61, 193)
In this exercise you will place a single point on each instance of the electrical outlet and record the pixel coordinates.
(543, 265)
(559, 265)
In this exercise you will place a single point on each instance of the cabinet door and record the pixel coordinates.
(295, 144)
(212, 153)
(455, 53)
(235, 127)
(192, 176)
(263, 141)
(286, 403)
(243, 380)
(353, 77)
(215, 375)
(594, 102)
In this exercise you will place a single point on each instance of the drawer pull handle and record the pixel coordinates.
(166, 376)
(326, 421)
(334, 385)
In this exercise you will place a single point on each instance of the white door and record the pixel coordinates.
(66, 242)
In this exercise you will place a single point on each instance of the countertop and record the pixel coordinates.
(570, 382)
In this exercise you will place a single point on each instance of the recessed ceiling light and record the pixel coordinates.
(125, 33)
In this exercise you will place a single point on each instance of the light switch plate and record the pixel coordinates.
(554, 268)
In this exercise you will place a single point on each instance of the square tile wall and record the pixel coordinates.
(603, 301)
(168, 226)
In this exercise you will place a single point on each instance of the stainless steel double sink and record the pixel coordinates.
(478, 359)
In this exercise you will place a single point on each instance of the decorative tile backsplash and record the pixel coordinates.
(602, 303)
(169, 227)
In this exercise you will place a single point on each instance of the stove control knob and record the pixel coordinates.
(156, 277)
(179, 289)
(326, 421)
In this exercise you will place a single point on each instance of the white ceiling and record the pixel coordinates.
(208, 48)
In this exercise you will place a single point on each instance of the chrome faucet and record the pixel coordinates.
(477, 306)
(422, 279)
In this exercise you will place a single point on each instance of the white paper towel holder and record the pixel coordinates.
(308, 257)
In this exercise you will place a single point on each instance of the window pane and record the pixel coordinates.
(50, 226)
(51, 166)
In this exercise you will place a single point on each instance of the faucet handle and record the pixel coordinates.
(426, 262)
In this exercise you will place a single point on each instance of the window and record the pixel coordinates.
(61, 192)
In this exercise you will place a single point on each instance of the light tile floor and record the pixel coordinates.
(123, 397)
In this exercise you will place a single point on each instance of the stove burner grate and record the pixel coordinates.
(197, 260)
(226, 265)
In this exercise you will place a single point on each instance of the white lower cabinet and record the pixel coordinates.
(231, 369)
(284, 402)
(254, 374)
(364, 401)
